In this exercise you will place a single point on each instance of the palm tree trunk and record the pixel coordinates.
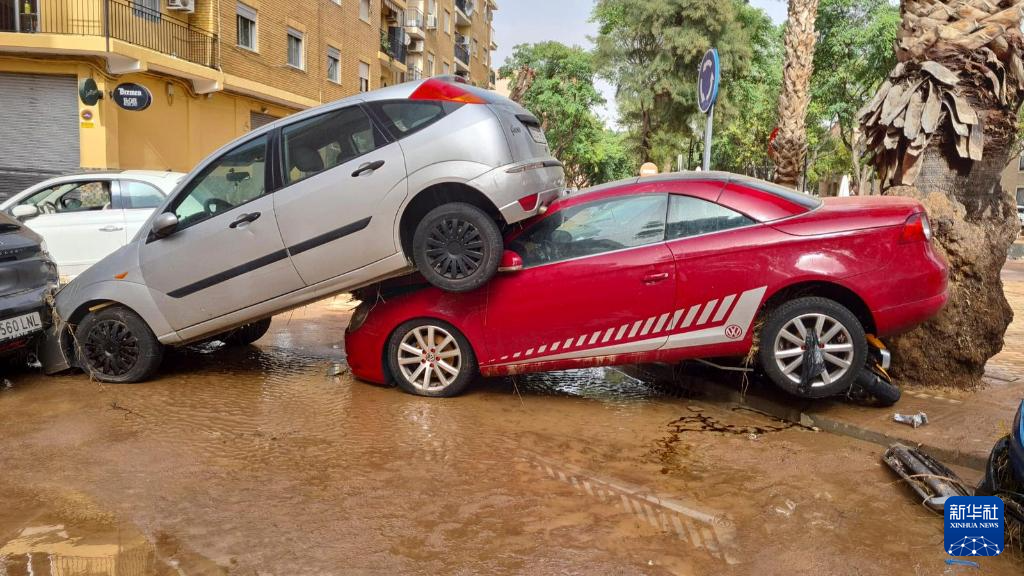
(790, 146)
(941, 129)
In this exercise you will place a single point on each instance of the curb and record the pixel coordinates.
(790, 409)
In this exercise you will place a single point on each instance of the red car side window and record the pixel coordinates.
(593, 228)
(689, 216)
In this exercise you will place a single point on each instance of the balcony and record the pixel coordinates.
(463, 13)
(112, 19)
(393, 46)
(413, 22)
(461, 55)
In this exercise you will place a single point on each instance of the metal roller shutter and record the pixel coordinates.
(258, 120)
(38, 129)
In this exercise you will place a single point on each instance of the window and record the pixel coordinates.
(429, 69)
(333, 65)
(364, 77)
(593, 228)
(148, 9)
(140, 195)
(233, 179)
(1020, 163)
(246, 19)
(71, 197)
(323, 142)
(447, 22)
(403, 117)
(364, 9)
(689, 216)
(431, 7)
(476, 47)
(446, 68)
(295, 52)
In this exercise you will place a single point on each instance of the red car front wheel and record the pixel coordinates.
(430, 357)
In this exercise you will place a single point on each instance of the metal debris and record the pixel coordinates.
(915, 420)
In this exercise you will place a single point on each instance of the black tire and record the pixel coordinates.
(881, 392)
(457, 247)
(245, 334)
(803, 308)
(466, 365)
(116, 345)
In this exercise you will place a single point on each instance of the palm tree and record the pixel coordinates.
(790, 145)
(941, 129)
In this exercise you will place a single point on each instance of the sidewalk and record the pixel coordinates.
(962, 426)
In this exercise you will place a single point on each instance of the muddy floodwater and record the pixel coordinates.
(266, 460)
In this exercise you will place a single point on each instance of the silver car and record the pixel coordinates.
(421, 175)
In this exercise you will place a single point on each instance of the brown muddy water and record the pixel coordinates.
(260, 461)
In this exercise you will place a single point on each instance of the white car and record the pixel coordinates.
(84, 217)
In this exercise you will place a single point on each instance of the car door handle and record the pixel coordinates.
(111, 228)
(655, 277)
(367, 167)
(245, 219)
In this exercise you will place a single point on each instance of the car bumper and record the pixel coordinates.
(364, 350)
(897, 319)
(33, 300)
(507, 185)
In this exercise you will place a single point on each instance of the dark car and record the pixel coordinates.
(27, 276)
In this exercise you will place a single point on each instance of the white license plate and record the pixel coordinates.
(18, 326)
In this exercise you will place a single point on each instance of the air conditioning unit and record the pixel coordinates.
(431, 21)
(416, 46)
(182, 5)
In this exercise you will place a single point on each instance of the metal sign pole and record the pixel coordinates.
(707, 138)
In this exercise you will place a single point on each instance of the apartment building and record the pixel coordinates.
(214, 69)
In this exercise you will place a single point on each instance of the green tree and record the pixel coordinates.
(559, 89)
(742, 131)
(649, 50)
(853, 55)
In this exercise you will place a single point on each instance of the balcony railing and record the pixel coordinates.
(118, 19)
(462, 53)
(413, 18)
(465, 6)
(395, 45)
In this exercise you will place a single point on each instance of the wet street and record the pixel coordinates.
(265, 460)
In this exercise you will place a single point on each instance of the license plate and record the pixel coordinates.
(18, 326)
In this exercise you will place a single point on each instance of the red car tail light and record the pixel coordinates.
(916, 228)
(434, 89)
(528, 203)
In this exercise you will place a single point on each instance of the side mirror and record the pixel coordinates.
(25, 211)
(510, 262)
(164, 224)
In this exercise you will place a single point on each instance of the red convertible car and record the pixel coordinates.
(664, 269)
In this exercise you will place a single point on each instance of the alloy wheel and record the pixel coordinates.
(455, 248)
(111, 348)
(833, 340)
(429, 358)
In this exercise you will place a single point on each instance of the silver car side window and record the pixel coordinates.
(323, 142)
(233, 179)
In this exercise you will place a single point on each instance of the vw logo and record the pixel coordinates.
(733, 331)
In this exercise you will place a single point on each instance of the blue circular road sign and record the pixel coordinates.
(708, 77)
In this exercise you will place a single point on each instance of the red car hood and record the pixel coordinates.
(852, 213)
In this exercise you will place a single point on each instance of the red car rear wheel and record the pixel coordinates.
(430, 357)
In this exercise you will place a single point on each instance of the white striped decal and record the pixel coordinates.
(707, 313)
(690, 316)
(647, 326)
(636, 327)
(726, 304)
(675, 319)
(661, 323)
(742, 316)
